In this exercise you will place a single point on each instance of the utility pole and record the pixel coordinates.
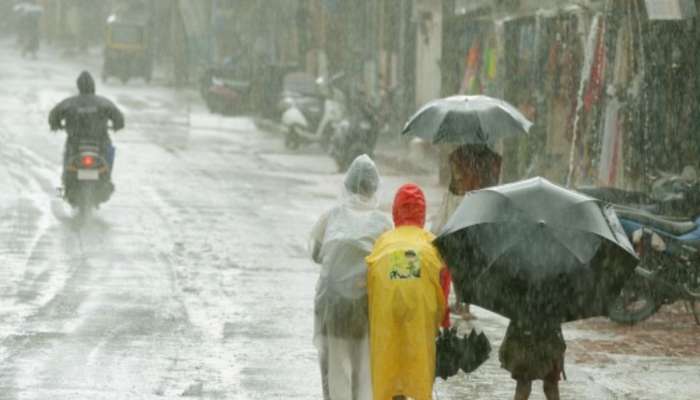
(399, 98)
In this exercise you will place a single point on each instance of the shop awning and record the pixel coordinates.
(670, 9)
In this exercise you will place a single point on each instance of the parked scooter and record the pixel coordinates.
(313, 120)
(87, 174)
(88, 177)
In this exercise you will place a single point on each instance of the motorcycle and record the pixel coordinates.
(669, 247)
(355, 136)
(675, 195)
(87, 173)
(669, 269)
(223, 91)
(313, 119)
(87, 176)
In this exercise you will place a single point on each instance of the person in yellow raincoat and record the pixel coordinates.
(406, 303)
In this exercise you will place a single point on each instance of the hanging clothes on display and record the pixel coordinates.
(588, 95)
(561, 76)
(608, 168)
(611, 160)
(471, 84)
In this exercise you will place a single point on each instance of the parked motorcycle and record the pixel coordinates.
(312, 119)
(223, 90)
(675, 195)
(669, 247)
(669, 269)
(355, 135)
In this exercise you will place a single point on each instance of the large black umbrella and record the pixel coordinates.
(534, 250)
(467, 120)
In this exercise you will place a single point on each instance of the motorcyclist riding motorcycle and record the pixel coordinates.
(85, 118)
(28, 14)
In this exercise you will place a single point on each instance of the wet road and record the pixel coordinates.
(193, 280)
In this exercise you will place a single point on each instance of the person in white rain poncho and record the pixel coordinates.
(340, 241)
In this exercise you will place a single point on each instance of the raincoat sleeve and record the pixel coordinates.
(115, 116)
(57, 114)
(446, 284)
(316, 238)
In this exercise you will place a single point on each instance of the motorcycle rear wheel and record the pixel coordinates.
(635, 303)
(693, 288)
(695, 308)
(85, 201)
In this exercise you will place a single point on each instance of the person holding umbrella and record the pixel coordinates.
(534, 351)
(340, 241)
(406, 303)
(540, 255)
(472, 167)
(474, 124)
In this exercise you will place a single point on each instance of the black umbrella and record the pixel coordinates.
(454, 353)
(476, 349)
(467, 120)
(447, 354)
(534, 250)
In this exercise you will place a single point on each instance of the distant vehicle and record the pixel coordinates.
(224, 91)
(127, 52)
(28, 16)
(312, 118)
(358, 133)
(355, 136)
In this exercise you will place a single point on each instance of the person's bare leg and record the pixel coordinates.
(551, 389)
(467, 314)
(522, 390)
(458, 301)
(323, 362)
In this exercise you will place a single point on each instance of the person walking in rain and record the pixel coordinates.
(472, 167)
(534, 351)
(406, 303)
(28, 14)
(340, 241)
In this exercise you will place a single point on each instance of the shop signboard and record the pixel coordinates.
(670, 9)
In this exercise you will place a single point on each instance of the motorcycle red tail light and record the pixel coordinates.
(88, 161)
